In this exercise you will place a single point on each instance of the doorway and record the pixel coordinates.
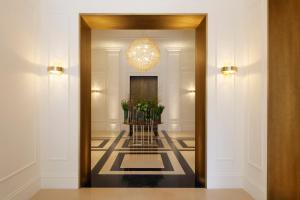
(159, 22)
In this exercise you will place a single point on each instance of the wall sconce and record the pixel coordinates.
(96, 91)
(229, 70)
(55, 70)
(192, 91)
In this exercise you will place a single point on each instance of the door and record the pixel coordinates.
(143, 88)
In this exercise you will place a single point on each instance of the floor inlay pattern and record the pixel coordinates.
(167, 162)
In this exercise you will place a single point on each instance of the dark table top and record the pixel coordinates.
(141, 123)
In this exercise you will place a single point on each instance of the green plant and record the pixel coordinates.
(124, 104)
(160, 109)
(143, 106)
(149, 108)
(157, 110)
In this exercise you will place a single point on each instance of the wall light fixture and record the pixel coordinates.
(96, 91)
(229, 70)
(55, 70)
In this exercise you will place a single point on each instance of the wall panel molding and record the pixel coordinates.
(25, 166)
(19, 170)
(58, 88)
(27, 190)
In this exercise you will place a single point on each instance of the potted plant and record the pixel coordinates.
(124, 105)
(143, 108)
(160, 109)
(157, 111)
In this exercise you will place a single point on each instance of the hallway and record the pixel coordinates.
(168, 162)
(221, 78)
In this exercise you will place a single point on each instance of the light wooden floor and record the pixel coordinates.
(142, 194)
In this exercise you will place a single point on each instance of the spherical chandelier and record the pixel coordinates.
(143, 54)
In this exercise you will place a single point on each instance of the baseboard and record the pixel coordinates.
(26, 191)
(224, 182)
(59, 182)
(256, 192)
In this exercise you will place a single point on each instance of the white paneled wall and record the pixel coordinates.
(173, 90)
(99, 110)
(106, 81)
(113, 89)
(60, 109)
(255, 147)
(236, 35)
(19, 101)
(187, 90)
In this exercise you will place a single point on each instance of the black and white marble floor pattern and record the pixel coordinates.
(168, 162)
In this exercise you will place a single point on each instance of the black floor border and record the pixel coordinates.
(183, 144)
(187, 169)
(120, 157)
(106, 155)
(127, 144)
(102, 144)
(144, 181)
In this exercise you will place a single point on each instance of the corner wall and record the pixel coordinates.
(19, 102)
(255, 91)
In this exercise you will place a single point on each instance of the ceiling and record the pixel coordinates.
(104, 22)
(181, 39)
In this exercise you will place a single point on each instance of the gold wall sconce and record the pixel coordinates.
(96, 91)
(229, 70)
(55, 70)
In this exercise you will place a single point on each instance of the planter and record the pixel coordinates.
(157, 118)
(125, 116)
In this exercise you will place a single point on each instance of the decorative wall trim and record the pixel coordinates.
(256, 192)
(26, 166)
(26, 191)
(174, 50)
(112, 49)
(18, 171)
(62, 55)
(258, 167)
(248, 132)
(249, 161)
(220, 81)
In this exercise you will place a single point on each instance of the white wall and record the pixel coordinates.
(19, 140)
(228, 43)
(255, 130)
(111, 74)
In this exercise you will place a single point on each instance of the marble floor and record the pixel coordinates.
(169, 161)
(143, 194)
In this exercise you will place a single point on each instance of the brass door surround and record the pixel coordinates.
(197, 22)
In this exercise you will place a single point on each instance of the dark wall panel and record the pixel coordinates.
(284, 100)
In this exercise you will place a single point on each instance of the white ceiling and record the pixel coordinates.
(183, 39)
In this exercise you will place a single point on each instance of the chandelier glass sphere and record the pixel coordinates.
(143, 54)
